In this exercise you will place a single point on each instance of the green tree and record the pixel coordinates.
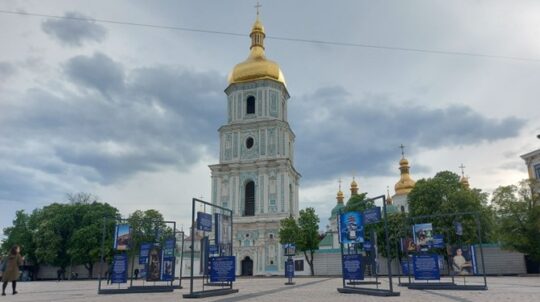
(304, 232)
(444, 194)
(358, 202)
(54, 226)
(84, 246)
(288, 231)
(518, 218)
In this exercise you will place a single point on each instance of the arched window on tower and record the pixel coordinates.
(249, 207)
(250, 105)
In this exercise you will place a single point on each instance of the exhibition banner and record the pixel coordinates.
(154, 264)
(143, 252)
(119, 268)
(168, 247)
(368, 246)
(426, 267)
(352, 267)
(438, 241)
(167, 268)
(222, 269)
(289, 268)
(122, 237)
(204, 222)
(223, 233)
(405, 266)
(351, 227)
(372, 215)
(423, 234)
(464, 260)
(289, 249)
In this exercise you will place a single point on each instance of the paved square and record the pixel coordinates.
(273, 290)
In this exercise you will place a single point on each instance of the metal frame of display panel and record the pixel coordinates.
(355, 287)
(225, 287)
(411, 283)
(147, 286)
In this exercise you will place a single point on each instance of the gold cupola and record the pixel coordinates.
(405, 184)
(464, 180)
(354, 187)
(256, 66)
(340, 197)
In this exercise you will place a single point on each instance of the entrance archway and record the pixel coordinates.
(247, 267)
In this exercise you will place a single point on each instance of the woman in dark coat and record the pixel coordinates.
(13, 261)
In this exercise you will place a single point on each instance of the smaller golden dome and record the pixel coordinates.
(465, 182)
(403, 162)
(405, 184)
(354, 184)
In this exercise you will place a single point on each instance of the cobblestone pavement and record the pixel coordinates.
(273, 289)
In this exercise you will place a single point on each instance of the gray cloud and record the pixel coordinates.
(6, 70)
(337, 133)
(157, 116)
(74, 32)
(97, 72)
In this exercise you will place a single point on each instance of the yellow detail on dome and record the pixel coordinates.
(256, 66)
(465, 182)
(405, 184)
(340, 195)
(354, 187)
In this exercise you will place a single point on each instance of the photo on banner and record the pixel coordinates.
(154, 264)
(464, 260)
(351, 227)
(423, 234)
(119, 268)
(223, 233)
(122, 237)
(168, 260)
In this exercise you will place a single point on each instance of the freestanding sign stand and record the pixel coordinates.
(429, 244)
(217, 239)
(155, 252)
(290, 251)
(351, 237)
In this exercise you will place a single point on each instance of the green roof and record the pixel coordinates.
(328, 240)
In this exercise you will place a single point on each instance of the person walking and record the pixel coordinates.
(11, 271)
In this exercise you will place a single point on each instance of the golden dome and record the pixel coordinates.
(256, 66)
(406, 183)
(465, 182)
(354, 187)
(340, 196)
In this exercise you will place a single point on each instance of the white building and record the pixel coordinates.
(255, 176)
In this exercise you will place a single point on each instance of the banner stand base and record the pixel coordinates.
(445, 286)
(362, 282)
(136, 290)
(368, 291)
(290, 283)
(210, 293)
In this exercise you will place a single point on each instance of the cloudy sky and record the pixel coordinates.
(130, 113)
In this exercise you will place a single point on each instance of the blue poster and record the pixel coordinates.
(352, 267)
(372, 215)
(438, 241)
(351, 228)
(222, 269)
(289, 268)
(223, 237)
(289, 249)
(119, 268)
(426, 267)
(405, 266)
(167, 268)
(367, 245)
(143, 252)
(212, 249)
(204, 222)
(168, 247)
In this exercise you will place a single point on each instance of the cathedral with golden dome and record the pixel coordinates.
(404, 185)
(255, 176)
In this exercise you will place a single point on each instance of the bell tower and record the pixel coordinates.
(255, 176)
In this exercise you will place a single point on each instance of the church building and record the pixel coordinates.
(255, 176)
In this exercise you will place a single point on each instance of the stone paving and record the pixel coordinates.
(273, 290)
